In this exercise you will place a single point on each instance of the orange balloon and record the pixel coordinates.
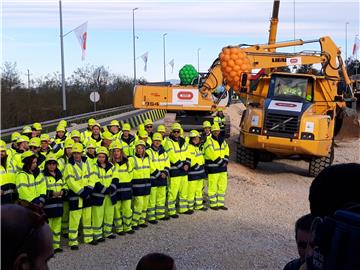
(236, 67)
(234, 50)
(228, 69)
(226, 50)
(226, 57)
(236, 78)
(247, 61)
(243, 67)
(231, 63)
(238, 62)
(221, 56)
(223, 64)
(234, 56)
(233, 73)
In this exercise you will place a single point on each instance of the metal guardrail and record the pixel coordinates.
(50, 125)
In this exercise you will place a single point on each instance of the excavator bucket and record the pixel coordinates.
(348, 125)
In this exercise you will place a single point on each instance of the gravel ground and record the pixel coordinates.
(255, 233)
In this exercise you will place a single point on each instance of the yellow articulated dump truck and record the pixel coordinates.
(288, 115)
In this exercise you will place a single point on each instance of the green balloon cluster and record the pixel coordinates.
(187, 74)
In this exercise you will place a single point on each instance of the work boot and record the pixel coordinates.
(143, 225)
(94, 242)
(153, 222)
(120, 233)
(74, 247)
(214, 208)
(165, 218)
(111, 236)
(203, 209)
(130, 232)
(100, 240)
(174, 216)
(58, 250)
(223, 207)
(135, 227)
(189, 212)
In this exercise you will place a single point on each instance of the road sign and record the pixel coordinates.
(94, 96)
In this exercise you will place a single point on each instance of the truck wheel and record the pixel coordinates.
(317, 164)
(246, 157)
(227, 126)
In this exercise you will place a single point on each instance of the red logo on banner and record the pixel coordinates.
(281, 104)
(293, 61)
(185, 95)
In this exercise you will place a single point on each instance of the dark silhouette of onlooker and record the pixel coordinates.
(156, 261)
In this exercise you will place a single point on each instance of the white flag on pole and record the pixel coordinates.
(81, 35)
(356, 46)
(144, 57)
(171, 63)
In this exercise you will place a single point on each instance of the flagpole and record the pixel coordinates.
(62, 62)
(133, 21)
(164, 35)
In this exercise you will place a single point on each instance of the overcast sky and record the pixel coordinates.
(30, 31)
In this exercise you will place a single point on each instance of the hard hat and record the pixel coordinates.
(60, 128)
(181, 132)
(143, 134)
(140, 142)
(96, 125)
(37, 126)
(91, 121)
(14, 136)
(115, 145)
(51, 157)
(35, 142)
(107, 135)
(63, 123)
(2, 145)
(114, 123)
(215, 127)
(141, 127)
(22, 138)
(148, 122)
(206, 124)
(161, 128)
(175, 126)
(69, 143)
(194, 133)
(102, 150)
(90, 144)
(45, 137)
(27, 154)
(126, 127)
(157, 137)
(75, 133)
(219, 109)
(26, 129)
(77, 148)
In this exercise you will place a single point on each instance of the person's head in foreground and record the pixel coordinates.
(156, 261)
(26, 238)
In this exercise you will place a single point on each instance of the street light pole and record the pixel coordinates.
(346, 24)
(164, 35)
(198, 59)
(133, 21)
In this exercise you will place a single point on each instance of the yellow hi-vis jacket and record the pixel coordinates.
(80, 181)
(178, 156)
(105, 184)
(30, 188)
(139, 168)
(159, 163)
(7, 182)
(124, 186)
(197, 166)
(216, 153)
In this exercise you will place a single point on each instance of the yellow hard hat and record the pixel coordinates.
(141, 127)
(157, 137)
(14, 136)
(107, 135)
(77, 148)
(26, 129)
(90, 144)
(45, 137)
(115, 145)
(75, 133)
(219, 109)
(35, 142)
(215, 127)
(102, 150)
(91, 121)
(37, 126)
(27, 154)
(175, 126)
(161, 128)
(51, 157)
(206, 124)
(194, 133)
(148, 122)
(96, 125)
(63, 123)
(69, 143)
(2, 145)
(140, 142)
(126, 127)
(114, 123)
(143, 134)
(22, 138)
(60, 128)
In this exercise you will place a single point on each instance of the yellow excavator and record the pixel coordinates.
(288, 114)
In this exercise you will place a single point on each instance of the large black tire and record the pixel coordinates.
(317, 164)
(246, 157)
(227, 126)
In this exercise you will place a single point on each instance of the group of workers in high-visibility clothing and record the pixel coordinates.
(113, 181)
